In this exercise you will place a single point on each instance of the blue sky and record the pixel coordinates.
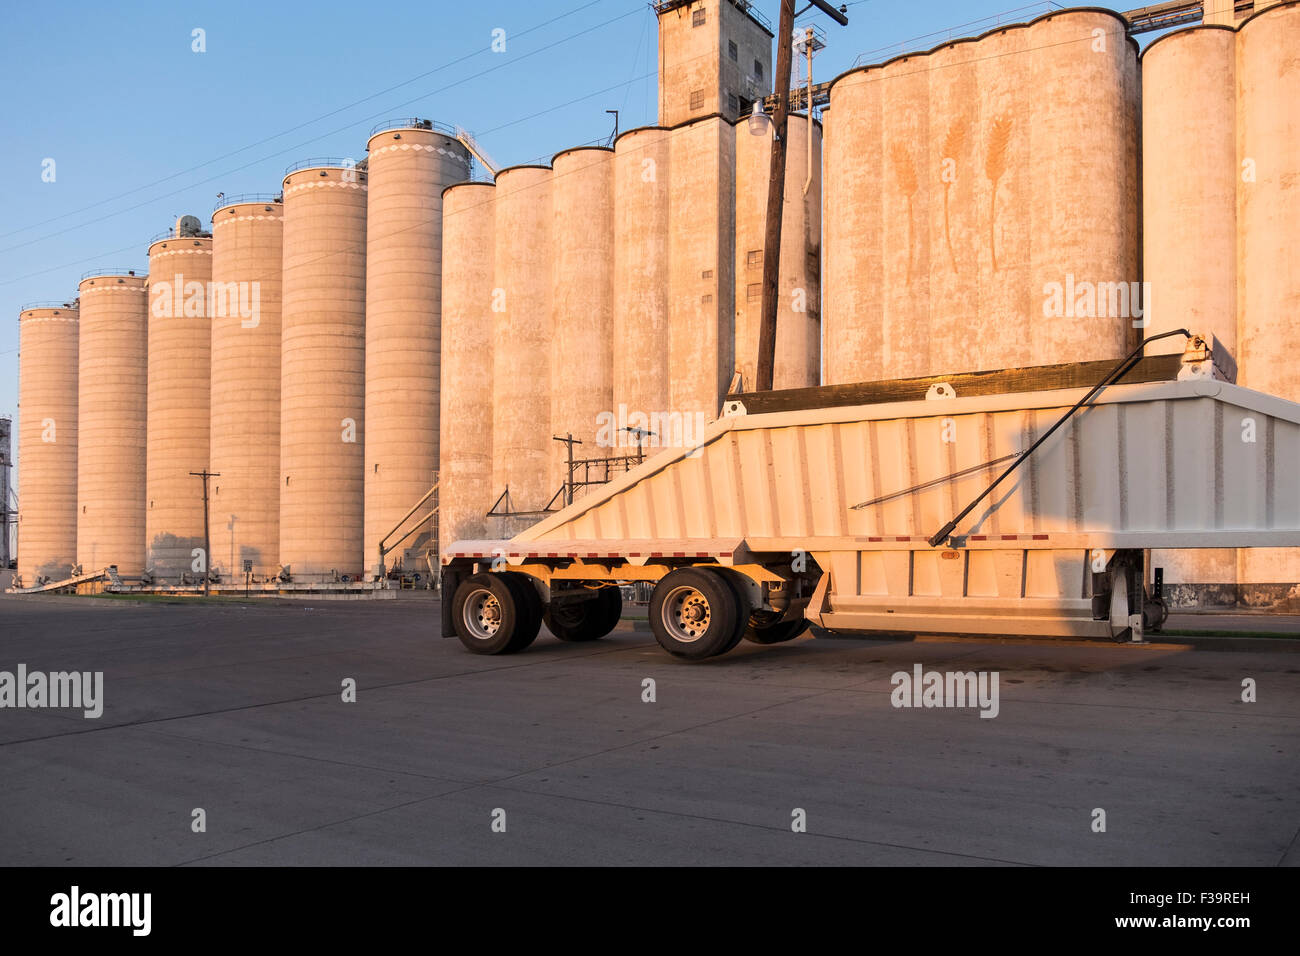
(143, 129)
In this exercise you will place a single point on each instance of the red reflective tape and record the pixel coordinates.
(701, 554)
(591, 555)
(1010, 537)
(725, 554)
(634, 554)
(656, 554)
(875, 539)
(1040, 537)
(979, 537)
(902, 537)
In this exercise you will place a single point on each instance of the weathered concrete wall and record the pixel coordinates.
(798, 325)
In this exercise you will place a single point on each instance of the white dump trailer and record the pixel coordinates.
(1018, 502)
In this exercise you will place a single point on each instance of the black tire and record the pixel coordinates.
(530, 609)
(694, 613)
(491, 615)
(743, 607)
(587, 620)
(766, 627)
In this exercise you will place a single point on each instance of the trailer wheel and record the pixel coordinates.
(492, 614)
(588, 620)
(766, 627)
(693, 613)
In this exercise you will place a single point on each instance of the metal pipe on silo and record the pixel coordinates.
(798, 325)
(247, 251)
(1189, 223)
(409, 164)
(1268, 218)
(701, 273)
(642, 183)
(178, 401)
(322, 371)
(582, 304)
(47, 443)
(113, 384)
(465, 444)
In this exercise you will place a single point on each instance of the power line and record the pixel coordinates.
(343, 129)
(292, 129)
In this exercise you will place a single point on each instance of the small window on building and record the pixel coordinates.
(753, 291)
(697, 99)
(706, 274)
(758, 69)
(733, 51)
(754, 258)
(697, 18)
(706, 298)
(733, 104)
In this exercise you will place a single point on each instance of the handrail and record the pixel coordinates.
(247, 197)
(413, 122)
(117, 271)
(326, 162)
(47, 305)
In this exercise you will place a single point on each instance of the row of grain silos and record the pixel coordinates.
(255, 353)
(619, 296)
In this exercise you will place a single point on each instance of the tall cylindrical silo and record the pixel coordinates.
(642, 183)
(701, 274)
(409, 164)
(179, 403)
(247, 237)
(582, 304)
(1268, 284)
(465, 447)
(1083, 201)
(854, 165)
(798, 323)
(112, 390)
(1189, 238)
(522, 449)
(322, 371)
(47, 443)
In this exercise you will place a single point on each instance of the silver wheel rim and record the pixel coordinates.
(482, 614)
(686, 614)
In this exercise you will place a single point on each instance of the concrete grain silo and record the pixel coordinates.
(701, 272)
(522, 449)
(322, 371)
(47, 443)
(642, 184)
(1189, 218)
(409, 164)
(970, 181)
(582, 304)
(179, 401)
(247, 236)
(465, 489)
(798, 324)
(112, 383)
(1268, 283)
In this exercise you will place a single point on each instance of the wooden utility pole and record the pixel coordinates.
(775, 200)
(207, 549)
